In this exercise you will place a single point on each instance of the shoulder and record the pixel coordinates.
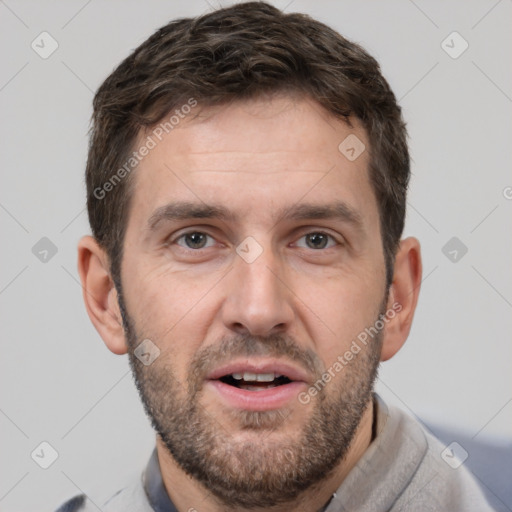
(441, 481)
(131, 498)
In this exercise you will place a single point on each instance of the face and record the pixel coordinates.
(252, 260)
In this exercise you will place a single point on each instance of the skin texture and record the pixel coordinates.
(255, 159)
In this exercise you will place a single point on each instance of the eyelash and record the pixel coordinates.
(183, 235)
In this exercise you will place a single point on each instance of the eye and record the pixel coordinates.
(194, 240)
(317, 240)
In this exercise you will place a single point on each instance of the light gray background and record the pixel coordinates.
(61, 385)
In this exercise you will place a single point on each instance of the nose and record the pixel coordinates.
(259, 299)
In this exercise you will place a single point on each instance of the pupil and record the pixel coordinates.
(195, 240)
(318, 240)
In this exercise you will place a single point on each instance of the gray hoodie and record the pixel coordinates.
(404, 469)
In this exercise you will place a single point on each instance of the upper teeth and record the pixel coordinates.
(252, 377)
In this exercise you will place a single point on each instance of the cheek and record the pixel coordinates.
(337, 311)
(172, 309)
(163, 296)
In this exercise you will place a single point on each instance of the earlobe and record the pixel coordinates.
(403, 296)
(100, 295)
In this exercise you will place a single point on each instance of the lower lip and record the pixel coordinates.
(264, 400)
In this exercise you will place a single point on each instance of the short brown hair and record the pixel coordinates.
(236, 53)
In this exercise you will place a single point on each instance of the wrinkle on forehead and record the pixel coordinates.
(269, 162)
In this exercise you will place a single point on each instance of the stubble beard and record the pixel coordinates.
(256, 470)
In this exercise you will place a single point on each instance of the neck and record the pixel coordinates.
(189, 495)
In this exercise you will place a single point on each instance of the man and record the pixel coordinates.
(247, 179)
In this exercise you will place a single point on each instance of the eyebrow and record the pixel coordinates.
(184, 210)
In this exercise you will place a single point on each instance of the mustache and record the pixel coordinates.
(245, 345)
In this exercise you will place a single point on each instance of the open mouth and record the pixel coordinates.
(257, 384)
(255, 381)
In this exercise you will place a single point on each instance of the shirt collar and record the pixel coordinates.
(387, 466)
(155, 488)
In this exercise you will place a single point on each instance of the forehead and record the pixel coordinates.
(255, 157)
(269, 127)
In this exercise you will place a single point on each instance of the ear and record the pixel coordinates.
(100, 295)
(403, 296)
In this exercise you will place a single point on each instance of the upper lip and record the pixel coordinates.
(260, 366)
